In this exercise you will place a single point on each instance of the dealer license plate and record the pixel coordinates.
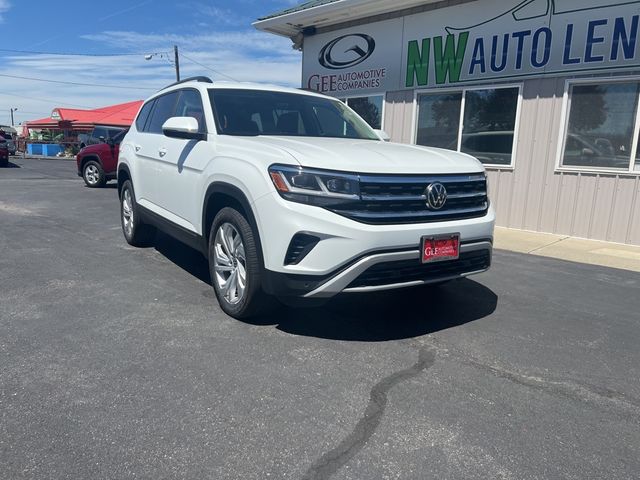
(440, 248)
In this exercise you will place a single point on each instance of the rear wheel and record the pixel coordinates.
(235, 267)
(93, 174)
(136, 232)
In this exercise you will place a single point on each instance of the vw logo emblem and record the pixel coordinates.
(436, 196)
(350, 51)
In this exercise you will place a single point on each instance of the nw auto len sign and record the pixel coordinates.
(511, 39)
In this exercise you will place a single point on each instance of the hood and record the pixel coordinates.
(95, 148)
(371, 156)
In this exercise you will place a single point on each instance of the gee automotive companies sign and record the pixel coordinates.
(354, 60)
(505, 39)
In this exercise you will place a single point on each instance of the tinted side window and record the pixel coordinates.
(113, 132)
(99, 132)
(190, 105)
(165, 106)
(143, 115)
(117, 138)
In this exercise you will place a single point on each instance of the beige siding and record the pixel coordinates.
(533, 195)
(398, 116)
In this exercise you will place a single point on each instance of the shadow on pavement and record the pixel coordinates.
(12, 165)
(373, 317)
(183, 256)
(390, 315)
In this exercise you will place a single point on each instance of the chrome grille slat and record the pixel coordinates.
(414, 213)
(418, 198)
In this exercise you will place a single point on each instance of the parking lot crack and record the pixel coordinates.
(327, 465)
(573, 390)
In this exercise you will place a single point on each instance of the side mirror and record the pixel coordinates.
(185, 128)
(383, 135)
(110, 142)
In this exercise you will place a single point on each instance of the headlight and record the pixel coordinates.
(316, 187)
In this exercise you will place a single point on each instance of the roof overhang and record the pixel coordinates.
(291, 24)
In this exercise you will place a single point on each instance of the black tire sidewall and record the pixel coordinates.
(102, 179)
(253, 288)
(128, 186)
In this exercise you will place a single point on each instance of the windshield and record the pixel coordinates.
(259, 112)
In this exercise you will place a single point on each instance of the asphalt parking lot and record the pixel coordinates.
(117, 363)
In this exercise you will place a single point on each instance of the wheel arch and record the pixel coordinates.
(123, 175)
(220, 195)
(89, 158)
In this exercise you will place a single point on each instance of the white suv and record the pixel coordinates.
(291, 194)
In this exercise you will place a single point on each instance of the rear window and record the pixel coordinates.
(143, 115)
(163, 110)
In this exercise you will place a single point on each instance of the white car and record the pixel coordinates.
(291, 194)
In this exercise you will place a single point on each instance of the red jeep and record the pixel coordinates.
(97, 163)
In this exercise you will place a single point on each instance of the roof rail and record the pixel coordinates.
(191, 79)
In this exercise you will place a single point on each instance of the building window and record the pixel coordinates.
(439, 120)
(369, 108)
(480, 122)
(601, 126)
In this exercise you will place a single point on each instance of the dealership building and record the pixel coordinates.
(544, 92)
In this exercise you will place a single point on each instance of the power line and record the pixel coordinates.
(75, 83)
(46, 100)
(73, 54)
(21, 112)
(80, 54)
(208, 68)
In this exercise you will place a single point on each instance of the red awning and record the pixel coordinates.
(121, 115)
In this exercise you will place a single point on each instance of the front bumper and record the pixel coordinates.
(382, 271)
(347, 248)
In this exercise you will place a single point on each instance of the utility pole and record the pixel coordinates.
(175, 53)
(13, 110)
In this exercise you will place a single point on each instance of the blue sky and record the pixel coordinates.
(214, 33)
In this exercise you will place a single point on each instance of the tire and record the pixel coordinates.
(234, 261)
(93, 174)
(4, 163)
(136, 233)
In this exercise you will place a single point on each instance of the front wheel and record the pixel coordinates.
(93, 174)
(235, 267)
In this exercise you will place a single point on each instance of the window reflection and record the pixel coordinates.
(601, 125)
(369, 108)
(439, 120)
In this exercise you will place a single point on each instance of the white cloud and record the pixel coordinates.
(4, 7)
(244, 55)
(220, 16)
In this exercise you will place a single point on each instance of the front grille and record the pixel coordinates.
(393, 199)
(412, 270)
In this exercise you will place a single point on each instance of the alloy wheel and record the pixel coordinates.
(127, 212)
(230, 264)
(92, 174)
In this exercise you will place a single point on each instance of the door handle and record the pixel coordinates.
(137, 147)
(162, 152)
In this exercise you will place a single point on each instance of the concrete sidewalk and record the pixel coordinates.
(40, 157)
(593, 252)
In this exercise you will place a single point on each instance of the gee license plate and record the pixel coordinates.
(440, 248)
